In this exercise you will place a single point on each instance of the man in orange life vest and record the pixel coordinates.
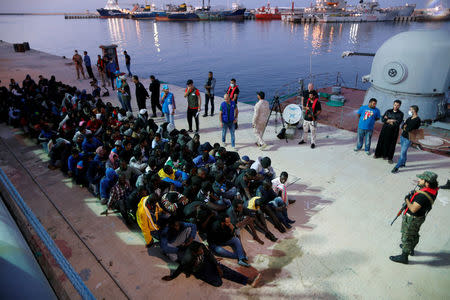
(233, 92)
(312, 109)
(415, 213)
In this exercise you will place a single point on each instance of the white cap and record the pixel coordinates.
(143, 111)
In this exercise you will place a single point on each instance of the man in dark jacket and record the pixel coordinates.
(200, 262)
(141, 93)
(154, 88)
(221, 233)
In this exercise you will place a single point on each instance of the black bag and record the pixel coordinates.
(282, 134)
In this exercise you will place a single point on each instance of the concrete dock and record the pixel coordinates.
(338, 248)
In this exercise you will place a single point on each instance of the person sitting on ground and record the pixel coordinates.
(222, 233)
(244, 184)
(176, 178)
(118, 194)
(200, 262)
(173, 203)
(72, 162)
(148, 215)
(131, 174)
(159, 141)
(279, 187)
(175, 237)
(263, 168)
(106, 184)
(240, 220)
(270, 203)
(204, 160)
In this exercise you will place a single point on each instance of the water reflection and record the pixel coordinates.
(353, 34)
(156, 36)
(138, 32)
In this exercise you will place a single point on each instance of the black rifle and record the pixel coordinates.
(404, 204)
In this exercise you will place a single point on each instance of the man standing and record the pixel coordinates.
(101, 68)
(194, 104)
(392, 119)
(412, 123)
(168, 105)
(112, 70)
(141, 93)
(154, 88)
(119, 89)
(233, 92)
(209, 95)
(128, 63)
(305, 94)
(367, 114)
(126, 93)
(260, 115)
(228, 117)
(312, 109)
(78, 61)
(87, 63)
(415, 213)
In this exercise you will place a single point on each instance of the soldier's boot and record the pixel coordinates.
(412, 251)
(402, 258)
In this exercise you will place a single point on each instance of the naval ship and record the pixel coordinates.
(337, 11)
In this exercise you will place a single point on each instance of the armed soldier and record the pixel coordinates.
(417, 207)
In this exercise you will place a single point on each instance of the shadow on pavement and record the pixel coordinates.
(440, 259)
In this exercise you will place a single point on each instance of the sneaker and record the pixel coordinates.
(368, 152)
(394, 170)
(263, 147)
(390, 161)
(212, 114)
(291, 201)
(356, 149)
(376, 157)
(301, 142)
(154, 116)
(205, 115)
(313, 146)
(190, 130)
(241, 262)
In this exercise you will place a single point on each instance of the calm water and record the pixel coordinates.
(260, 55)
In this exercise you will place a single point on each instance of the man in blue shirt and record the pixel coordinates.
(228, 117)
(204, 160)
(368, 114)
(87, 63)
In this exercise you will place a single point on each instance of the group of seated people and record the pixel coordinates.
(191, 198)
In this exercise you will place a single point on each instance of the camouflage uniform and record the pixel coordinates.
(410, 232)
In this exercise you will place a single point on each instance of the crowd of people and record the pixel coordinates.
(189, 197)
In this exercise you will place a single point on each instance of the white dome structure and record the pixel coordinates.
(413, 67)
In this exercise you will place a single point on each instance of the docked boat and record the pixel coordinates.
(113, 10)
(268, 13)
(182, 16)
(146, 12)
(236, 13)
(365, 11)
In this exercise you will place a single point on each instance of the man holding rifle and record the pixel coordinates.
(417, 207)
(312, 109)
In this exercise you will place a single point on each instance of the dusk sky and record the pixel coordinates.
(82, 5)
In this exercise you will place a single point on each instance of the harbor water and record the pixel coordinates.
(260, 55)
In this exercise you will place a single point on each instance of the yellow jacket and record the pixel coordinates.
(163, 174)
(145, 219)
(252, 203)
